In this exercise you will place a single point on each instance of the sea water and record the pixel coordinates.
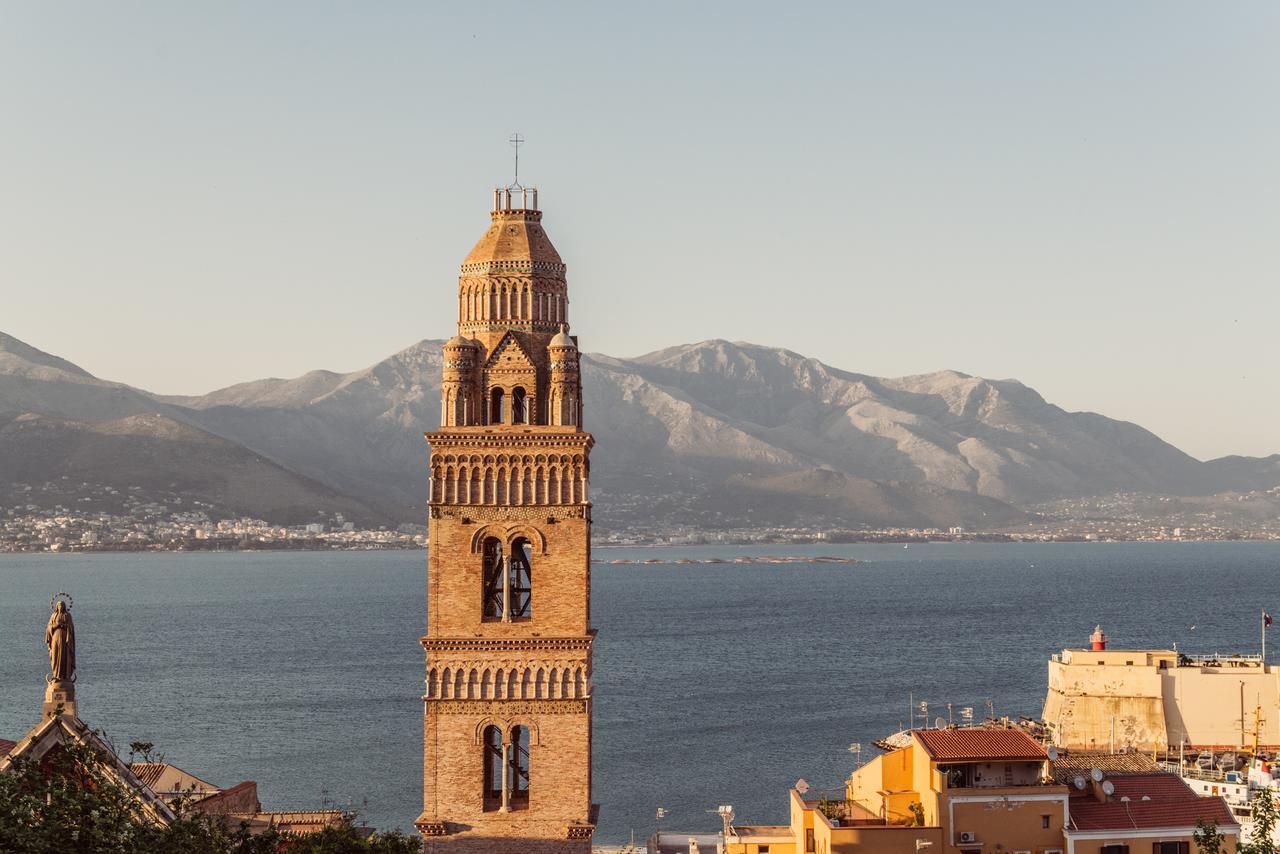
(714, 683)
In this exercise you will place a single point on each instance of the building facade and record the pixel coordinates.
(979, 790)
(507, 710)
(1159, 699)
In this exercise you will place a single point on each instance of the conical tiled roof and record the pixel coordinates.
(514, 235)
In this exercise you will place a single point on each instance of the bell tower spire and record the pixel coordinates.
(507, 708)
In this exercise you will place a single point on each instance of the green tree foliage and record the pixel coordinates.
(833, 810)
(65, 803)
(1264, 824)
(1208, 840)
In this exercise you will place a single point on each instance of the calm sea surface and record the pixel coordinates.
(714, 684)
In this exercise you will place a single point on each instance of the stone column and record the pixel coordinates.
(506, 775)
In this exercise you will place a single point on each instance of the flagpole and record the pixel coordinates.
(1264, 640)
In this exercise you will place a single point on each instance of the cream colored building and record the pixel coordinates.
(1149, 699)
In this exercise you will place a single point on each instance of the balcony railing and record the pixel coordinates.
(842, 810)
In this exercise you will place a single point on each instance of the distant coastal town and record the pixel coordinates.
(153, 529)
(160, 527)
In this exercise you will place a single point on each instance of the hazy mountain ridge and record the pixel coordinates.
(706, 433)
(156, 459)
(34, 381)
(993, 437)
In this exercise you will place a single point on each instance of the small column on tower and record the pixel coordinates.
(564, 407)
(459, 404)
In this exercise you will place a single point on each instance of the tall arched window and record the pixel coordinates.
(519, 767)
(508, 584)
(494, 596)
(519, 405)
(495, 406)
(519, 580)
(494, 767)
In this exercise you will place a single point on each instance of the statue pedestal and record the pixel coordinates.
(59, 692)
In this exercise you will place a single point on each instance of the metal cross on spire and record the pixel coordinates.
(516, 141)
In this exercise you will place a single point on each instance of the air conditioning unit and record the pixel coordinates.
(967, 837)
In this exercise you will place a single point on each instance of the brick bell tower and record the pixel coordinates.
(507, 719)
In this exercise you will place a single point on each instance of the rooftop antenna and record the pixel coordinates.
(725, 811)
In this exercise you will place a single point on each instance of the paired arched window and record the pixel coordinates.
(494, 763)
(506, 769)
(507, 592)
(520, 579)
(495, 406)
(519, 406)
(519, 767)
(494, 566)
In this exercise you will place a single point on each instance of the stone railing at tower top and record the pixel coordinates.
(504, 198)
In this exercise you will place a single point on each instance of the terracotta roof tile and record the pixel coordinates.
(1159, 786)
(148, 772)
(6, 745)
(1169, 803)
(979, 744)
(1078, 763)
(1088, 814)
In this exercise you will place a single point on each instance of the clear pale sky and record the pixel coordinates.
(1082, 196)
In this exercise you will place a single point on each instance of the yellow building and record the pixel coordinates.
(1159, 699)
(976, 789)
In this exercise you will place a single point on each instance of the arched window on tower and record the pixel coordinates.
(519, 406)
(520, 580)
(518, 794)
(495, 406)
(494, 768)
(494, 595)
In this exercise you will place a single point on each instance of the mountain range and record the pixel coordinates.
(713, 434)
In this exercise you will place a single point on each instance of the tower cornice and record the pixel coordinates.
(512, 265)
(539, 435)
(515, 644)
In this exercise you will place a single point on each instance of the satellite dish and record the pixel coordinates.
(1079, 783)
(1146, 797)
(1096, 774)
(1124, 799)
(1053, 753)
(1109, 788)
(939, 723)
